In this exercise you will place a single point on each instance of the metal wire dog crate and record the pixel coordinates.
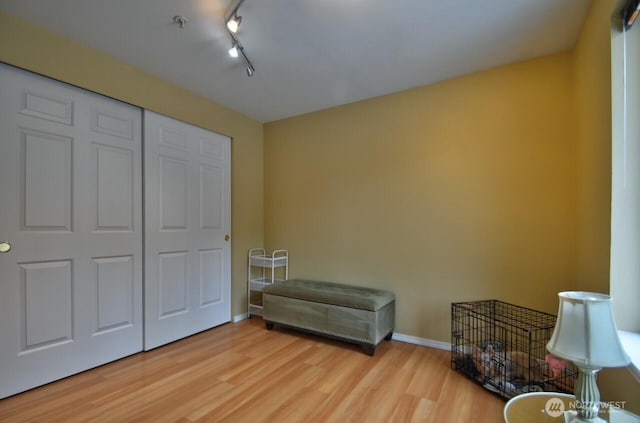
(503, 347)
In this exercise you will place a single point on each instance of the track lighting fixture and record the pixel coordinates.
(630, 13)
(250, 69)
(232, 24)
(233, 51)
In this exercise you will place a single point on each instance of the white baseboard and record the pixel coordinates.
(239, 317)
(422, 341)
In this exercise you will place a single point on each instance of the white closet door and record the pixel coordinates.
(70, 207)
(187, 218)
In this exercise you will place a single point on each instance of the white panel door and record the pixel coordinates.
(187, 228)
(70, 207)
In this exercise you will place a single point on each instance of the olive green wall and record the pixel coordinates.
(460, 190)
(40, 51)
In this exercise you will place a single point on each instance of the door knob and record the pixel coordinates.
(5, 247)
(227, 237)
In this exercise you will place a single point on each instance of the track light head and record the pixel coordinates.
(233, 51)
(234, 23)
(250, 71)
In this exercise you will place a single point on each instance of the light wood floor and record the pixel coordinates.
(244, 373)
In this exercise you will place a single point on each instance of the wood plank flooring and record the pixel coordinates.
(244, 373)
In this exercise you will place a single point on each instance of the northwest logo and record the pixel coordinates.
(554, 407)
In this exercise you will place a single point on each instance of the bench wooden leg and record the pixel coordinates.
(369, 349)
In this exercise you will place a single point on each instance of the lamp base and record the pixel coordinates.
(586, 393)
(572, 417)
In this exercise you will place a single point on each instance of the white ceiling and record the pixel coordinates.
(311, 54)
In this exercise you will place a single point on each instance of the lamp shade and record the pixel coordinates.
(585, 331)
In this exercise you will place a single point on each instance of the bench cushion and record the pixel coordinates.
(332, 293)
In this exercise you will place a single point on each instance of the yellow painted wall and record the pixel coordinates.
(592, 102)
(620, 385)
(460, 190)
(37, 50)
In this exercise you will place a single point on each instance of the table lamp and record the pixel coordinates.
(585, 333)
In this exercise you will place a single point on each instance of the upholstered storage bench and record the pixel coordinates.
(354, 314)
